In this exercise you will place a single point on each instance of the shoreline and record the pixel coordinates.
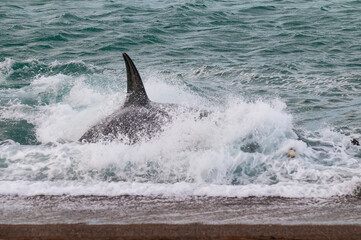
(179, 231)
(122, 210)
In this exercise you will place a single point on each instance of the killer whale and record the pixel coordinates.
(137, 119)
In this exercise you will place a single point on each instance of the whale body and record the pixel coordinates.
(138, 118)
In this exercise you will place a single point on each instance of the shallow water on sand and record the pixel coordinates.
(176, 210)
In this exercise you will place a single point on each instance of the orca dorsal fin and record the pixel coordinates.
(136, 94)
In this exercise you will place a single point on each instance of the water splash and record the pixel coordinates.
(238, 150)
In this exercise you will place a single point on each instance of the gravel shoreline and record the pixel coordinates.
(179, 231)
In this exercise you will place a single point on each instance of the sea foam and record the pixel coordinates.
(239, 149)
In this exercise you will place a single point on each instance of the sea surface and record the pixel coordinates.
(274, 75)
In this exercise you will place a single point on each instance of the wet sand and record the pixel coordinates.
(179, 231)
(157, 217)
(127, 210)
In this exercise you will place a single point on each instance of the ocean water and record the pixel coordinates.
(275, 75)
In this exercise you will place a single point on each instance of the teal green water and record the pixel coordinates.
(59, 59)
(307, 53)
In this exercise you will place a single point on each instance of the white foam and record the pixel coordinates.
(160, 90)
(6, 64)
(5, 68)
(66, 120)
(81, 109)
(191, 157)
(180, 189)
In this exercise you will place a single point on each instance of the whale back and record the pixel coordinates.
(138, 118)
(130, 124)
